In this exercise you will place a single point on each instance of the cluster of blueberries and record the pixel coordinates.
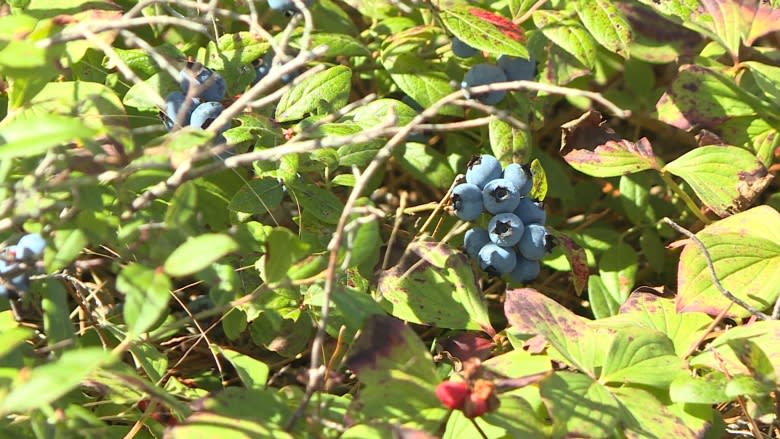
(507, 68)
(26, 251)
(197, 107)
(516, 238)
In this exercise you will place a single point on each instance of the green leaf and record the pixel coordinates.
(321, 93)
(68, 244)
(531, 312)
(509, 144)
(56, 318)
(434, 285)
(644, 416)
(568, 34)
(283, 248)
(635, 196)
(745, 251)
(594, 149)
(642, 357)
(149, 94)
(146, 293)
(753, 134)
(425, 164)
(49, 382)
(183, 206)
(709, 389)
(607, 25)
(29, 137)
(378, 111)
(617, 268)
(388, 351)
(338, 44)
(425, 83)
(579, 406)
(766, 77)
(153, 362)
(251, 372)
(601, 301)
(539, 186)
(318, 202)
(485, 30)
(258, 196)
(234, 50)
(198, 253)
(726, 178)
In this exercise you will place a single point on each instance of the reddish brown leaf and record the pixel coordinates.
(503, 24)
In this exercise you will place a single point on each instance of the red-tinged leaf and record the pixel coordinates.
(485, 31)
(578, 260)
(503, 24)
(760, 19)
(657, 39)
(468, 345)
(745, 251)
(590, 147)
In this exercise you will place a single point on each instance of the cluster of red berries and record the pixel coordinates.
(473, 399)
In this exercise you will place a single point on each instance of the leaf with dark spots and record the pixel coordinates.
(595, 149)
(575, 254)
(397, 374)
(435, 285)
(656, 38)
(701, 97)
(468, 345)
(531, 312)
(726, 178)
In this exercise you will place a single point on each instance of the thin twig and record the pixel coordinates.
(750, 308)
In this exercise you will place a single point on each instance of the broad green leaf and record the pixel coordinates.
(649, 311)
(514, 417)
(708, 389)
(602, 303)
(233, 50)
(153, 362)
(149, 95)
(197, 253)
(283, 248)
(745, 251)
(321, 93)
(426, 84)
(425, 163)
(485, 30)
(726, 178)
(29, 137)
(658, 39)
(68, 245)
(607, 25)
(635, 197)
(753, 134)
(47, 383)
(767, 78)
(509, 144)
(644, 416)
(258, 196)
(568, 34)
(318, 202)
(434, 285)
(530, 312)
(727, 351)
(539, 186)
(11, 338)
(141, 62)
(253, 373)
(594, 149)
(701, 97)
(146, 293)
(338, 44)
(56, 319)
(642, 357)
(579, 406)
(617, 268)
(183, 206)
(397, 375)
(378, 111)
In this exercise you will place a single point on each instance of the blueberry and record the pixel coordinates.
(533, 244)
(286, 6)
(530, 212)
(263, 66)
(485, 74)
(474, 239)
(482, 169)
(216, 89)
(461, 49)
(500, 195)
(205, 113)
(173, 105)
(20, 282)
(497, 260)
(525, 270)
(30, 246)
(520, 176)
(505, 229)
(467, 201)
(517, 69)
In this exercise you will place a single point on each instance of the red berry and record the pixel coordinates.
(453, 393)
(475, 406)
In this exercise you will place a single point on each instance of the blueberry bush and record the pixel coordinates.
(389, 218)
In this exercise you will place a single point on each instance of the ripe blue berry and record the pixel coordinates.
(533, 244)
(505, 229)
(286, 6)
(530, 211)
(467, 201)
(30, 246)
(482, 169)
(474, 239)
(461, 49)
(173, 104)
(520, 176)
(19, 283)
(517, 69)
(205, 113)
(497, 260)
(197, 75)
(500, 195)
(263, 66)
(525, 270)
(484, 74)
